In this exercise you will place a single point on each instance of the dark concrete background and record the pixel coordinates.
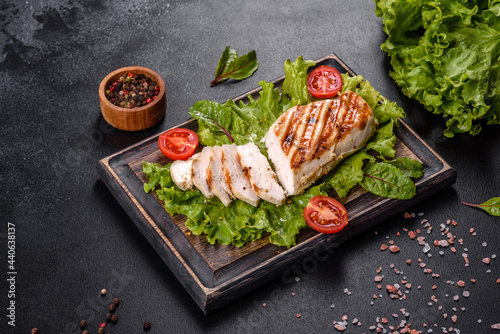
(73, 238)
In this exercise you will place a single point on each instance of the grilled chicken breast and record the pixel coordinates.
(234, 177)
(306, 142)
(181, 172)
(257, 170)
(200, 171)
(215, 177)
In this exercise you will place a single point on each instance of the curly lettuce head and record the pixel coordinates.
(446, 55)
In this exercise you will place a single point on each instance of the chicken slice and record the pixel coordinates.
(257, 170)
(181, 172)
(234, 177)
(215, 177)
(306, 142)
(201, 171)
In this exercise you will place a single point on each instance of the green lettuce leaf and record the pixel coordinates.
(446, 55)
(383, 140)
(295, 83)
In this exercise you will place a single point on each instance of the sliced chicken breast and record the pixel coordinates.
(257, 170)
(215, 177)
(234, 177)
(181, 172)
(201, 171)
(306, 142)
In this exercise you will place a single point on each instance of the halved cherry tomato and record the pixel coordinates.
(325, 214)
(324, 82)
(178, 143)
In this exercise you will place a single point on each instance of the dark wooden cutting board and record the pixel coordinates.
(216, 274)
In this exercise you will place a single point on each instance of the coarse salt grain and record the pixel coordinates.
(339, 327)
(393, 249)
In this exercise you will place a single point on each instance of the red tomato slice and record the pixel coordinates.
(178, 143)
(324, 82)
(326, 215)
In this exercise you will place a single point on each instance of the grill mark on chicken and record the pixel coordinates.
(226, 174)
(336, 113)
(282, 129)
(303, 113)
(313, 134)
(292, 130)
(357, 116)
(209, 178)
(322, 133)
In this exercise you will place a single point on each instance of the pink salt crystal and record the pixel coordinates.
(443, 243)
(393, 249)
(339, 327)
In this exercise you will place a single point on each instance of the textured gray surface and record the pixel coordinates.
(74, 239)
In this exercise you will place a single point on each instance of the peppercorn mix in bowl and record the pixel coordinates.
(132, 98)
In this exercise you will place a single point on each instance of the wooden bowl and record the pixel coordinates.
(133, 119)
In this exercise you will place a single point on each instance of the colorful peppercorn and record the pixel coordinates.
(132, 91)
